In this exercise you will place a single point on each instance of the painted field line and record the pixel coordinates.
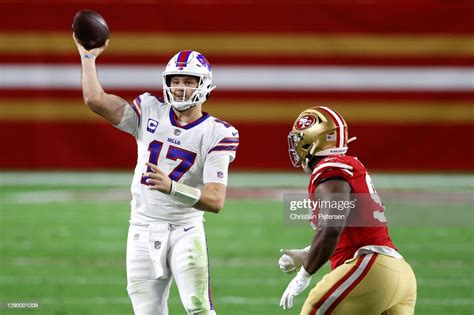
(222, 263)
(237, 180)
(235, 300)
(234, 281)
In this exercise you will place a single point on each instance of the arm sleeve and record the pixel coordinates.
(129, 122)
(226, 142)
(216, 169)
(131, 118)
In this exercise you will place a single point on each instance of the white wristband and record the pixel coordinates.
(303, 273)
(184, 193)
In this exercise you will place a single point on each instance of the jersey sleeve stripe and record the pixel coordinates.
(332, 165)
(224, 148)
(136, 105)
(319, 170)
(136, 108)
(230, 140)
(138, 101)
(348, 172)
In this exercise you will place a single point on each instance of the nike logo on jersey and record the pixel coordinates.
(189, 228)
(234, 133)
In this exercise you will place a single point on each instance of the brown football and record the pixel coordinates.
(90, 29)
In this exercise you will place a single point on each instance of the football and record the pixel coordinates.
(90, 29)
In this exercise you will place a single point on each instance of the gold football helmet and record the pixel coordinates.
(318, 131)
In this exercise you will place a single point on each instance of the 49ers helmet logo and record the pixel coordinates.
(305, 122)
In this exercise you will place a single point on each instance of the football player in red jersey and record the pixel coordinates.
(368, 274)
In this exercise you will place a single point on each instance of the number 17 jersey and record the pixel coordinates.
(178, 150)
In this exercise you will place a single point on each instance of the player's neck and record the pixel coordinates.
(190, 115)
(314, 161)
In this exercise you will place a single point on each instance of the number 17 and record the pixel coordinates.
(174, 153)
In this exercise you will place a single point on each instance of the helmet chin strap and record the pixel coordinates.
(306, 160)
(185, 108)
(305, 166)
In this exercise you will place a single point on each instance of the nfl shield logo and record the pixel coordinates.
(220, 174)
(157, 245)
(177, 132)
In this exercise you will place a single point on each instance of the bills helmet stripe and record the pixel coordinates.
(340, 132)
(182, 60)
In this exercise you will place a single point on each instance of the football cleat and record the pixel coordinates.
(191, 63)
(318, 131)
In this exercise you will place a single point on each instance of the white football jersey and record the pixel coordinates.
(180, 151)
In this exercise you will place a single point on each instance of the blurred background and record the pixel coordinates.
(401, 73)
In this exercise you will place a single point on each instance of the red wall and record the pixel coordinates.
(437, 140)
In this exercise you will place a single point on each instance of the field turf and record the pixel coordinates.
(62, 244)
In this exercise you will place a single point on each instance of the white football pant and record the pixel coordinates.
(160, 252)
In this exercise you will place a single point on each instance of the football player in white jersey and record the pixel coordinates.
(181, 172)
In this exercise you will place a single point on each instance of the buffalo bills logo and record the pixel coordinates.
(204, 61)
(305, 122)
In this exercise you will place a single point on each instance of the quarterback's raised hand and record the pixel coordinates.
(157, 179)
(95, 52)
(299, 283)
(292, 259)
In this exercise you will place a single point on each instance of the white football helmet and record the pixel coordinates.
(192, 63)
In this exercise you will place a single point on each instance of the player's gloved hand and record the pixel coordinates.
(292, 259)
(299, 283)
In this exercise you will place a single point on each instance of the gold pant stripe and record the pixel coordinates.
(385, 285)
(345, 285)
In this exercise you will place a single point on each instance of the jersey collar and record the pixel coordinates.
(175, 123)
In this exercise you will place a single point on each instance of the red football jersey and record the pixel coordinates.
(373, 230)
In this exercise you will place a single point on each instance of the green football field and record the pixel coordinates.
(63, 236)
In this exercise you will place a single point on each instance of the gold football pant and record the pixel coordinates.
(373, 284)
